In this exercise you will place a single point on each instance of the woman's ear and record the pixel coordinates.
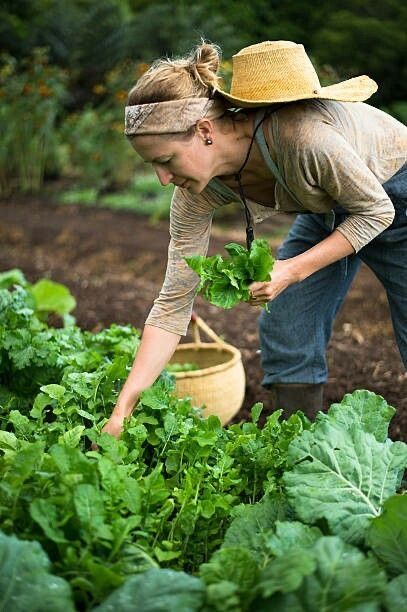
(204, 129)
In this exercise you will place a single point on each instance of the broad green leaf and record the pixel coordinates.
(286, 573)
(21, 423)
(12, 277)
(234, 249)
(72, 437)
(289, 534)
(395, 596)
(89, 506)
(236, 565)
(344, 579)
(387, 534)
(342, 475)
(52, 297)
(365, 410)
(45, 514)
(41, 401)
(262, 260)
(156, 590)
(223, 294)
(25, 461)
(8, 441)
(166, 555)
(56, 392)
(223, 596)
(207, 508)
(26, 582)
(85, 414)
(253, 523)
(225, 282)
(72, 460)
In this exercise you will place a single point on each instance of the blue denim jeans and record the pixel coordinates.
(295, 332)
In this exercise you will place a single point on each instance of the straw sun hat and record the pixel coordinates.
(281, 71)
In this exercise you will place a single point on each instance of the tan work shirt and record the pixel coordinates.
(329, 153)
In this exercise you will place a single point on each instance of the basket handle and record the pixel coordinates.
(199, 324)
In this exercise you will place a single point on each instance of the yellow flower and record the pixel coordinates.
(141, 69)
(121, 95)
(99, 89)
(44, 90)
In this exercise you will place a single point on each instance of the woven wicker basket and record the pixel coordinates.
(219, 384)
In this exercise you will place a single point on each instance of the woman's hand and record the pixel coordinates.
(284, 274)
(114, 427)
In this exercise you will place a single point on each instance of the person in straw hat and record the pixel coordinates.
(277, 142)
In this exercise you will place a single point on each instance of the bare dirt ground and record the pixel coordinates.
(114, 263)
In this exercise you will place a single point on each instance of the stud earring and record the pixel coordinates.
(208, 141)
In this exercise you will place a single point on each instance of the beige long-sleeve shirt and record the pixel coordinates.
(329, 153)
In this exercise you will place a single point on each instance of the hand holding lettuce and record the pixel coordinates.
(226, 282)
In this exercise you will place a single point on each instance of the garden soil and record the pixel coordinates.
(114, 263)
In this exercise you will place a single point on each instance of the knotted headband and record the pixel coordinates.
(170, 117)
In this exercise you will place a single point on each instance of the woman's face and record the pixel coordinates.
(185, 162)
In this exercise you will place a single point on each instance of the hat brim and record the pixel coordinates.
(357, 89)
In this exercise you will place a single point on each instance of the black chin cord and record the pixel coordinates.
(238, 177)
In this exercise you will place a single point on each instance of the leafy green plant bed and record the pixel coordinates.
(181, 513)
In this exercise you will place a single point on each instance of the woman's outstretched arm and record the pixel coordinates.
(156, 349)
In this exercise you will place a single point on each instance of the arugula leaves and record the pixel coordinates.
(225, 282)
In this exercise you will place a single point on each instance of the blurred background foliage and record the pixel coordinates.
(66, 67)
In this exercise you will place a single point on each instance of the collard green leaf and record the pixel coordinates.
(344, 578)
(222, 597)
(233, 565)
(387, 534)
(291, 534)
(157, 590)
(26, 582)
(253, 523)
(343, 476)
(285, 574)
(364, 410)
(395, 596)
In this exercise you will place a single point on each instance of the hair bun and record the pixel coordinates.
(204, 63)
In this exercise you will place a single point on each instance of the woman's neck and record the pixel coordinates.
(233, 150)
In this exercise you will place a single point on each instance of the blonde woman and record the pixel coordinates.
(277, 142)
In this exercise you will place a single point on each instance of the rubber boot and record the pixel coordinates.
(291, 397)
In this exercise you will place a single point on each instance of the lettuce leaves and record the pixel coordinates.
(225, 282)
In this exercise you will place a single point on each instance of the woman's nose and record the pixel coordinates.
(164, 175)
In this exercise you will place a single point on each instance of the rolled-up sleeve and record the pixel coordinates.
(330, 163)
(190, 226)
